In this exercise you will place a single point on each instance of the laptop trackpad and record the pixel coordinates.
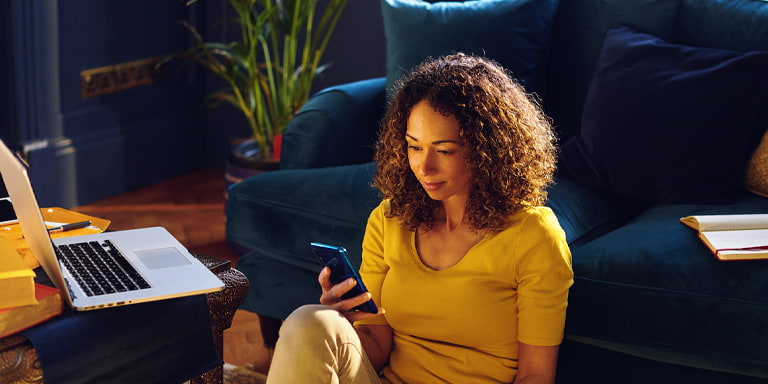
(162, 258)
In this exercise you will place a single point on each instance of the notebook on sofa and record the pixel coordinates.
(732, 237)
(105, 269)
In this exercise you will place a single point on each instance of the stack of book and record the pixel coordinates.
(22, 302)
(15, 319)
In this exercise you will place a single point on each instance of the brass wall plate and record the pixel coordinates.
(118, 77)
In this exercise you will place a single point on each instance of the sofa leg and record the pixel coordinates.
(270, 328)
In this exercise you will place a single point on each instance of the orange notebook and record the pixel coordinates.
(49, 305)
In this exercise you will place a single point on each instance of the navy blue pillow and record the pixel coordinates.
(516, 33)
(669, 123)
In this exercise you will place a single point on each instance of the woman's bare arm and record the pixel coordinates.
(537, 364)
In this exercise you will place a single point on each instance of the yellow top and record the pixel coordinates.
(462, 324)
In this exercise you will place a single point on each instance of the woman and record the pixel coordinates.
(472, 269)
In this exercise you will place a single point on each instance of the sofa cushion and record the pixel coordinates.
(337, 126)
(516, 33)
(721, 24)
(577, 37)
(664, 294)
(286, 210)
(585, 213)
(669, 123)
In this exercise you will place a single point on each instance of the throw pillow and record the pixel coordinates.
(515, 33)
(669, 123)
(577, 36)
(757, 171)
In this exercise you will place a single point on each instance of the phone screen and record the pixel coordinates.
(7, 214)
(341, 269)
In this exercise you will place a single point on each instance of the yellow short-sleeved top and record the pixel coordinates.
(462, 324)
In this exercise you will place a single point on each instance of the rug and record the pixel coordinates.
(244, 374)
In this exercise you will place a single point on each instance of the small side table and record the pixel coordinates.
(19, 363)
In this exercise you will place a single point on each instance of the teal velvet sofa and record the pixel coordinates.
(659, 106)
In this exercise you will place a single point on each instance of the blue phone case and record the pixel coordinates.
(341, 269)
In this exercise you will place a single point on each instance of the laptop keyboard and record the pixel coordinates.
(100, 268)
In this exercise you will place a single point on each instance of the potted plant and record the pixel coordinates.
(269, 71)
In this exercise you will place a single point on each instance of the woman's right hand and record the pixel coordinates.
(331, 297)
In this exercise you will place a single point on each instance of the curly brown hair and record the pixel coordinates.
(508, 140)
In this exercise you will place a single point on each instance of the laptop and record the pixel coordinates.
(145, 264)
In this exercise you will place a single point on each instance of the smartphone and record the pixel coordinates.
(337, 260)
(7, 214)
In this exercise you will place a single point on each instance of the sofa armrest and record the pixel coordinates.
(337, 126)
(279, 213)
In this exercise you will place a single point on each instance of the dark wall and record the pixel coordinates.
(81, 150)
(357, 48)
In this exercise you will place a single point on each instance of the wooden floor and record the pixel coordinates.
(191, 207)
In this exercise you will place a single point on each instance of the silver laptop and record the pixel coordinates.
(138, 265)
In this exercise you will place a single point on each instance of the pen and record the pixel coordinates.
(69, 227)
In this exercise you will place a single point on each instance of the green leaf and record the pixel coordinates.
(270, 70)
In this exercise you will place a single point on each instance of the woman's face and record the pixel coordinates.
(435, 155)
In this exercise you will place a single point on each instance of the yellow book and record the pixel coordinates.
(17, 280)
(16, 319)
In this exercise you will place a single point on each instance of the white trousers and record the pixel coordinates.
(319, 345)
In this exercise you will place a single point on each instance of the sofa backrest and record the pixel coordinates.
(739, 25)
(580, 26)
(353, 110)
